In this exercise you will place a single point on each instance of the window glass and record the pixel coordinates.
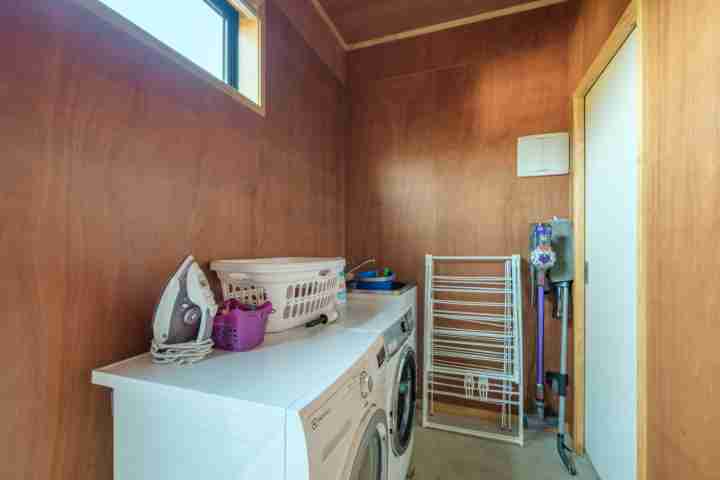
(191, 27)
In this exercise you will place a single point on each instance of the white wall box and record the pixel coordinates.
(540, 155)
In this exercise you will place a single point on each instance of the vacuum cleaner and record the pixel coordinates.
(551, 267)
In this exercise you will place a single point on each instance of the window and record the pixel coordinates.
(223, 37)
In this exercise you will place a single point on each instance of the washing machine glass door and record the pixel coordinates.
(404, 400)
(371, 461)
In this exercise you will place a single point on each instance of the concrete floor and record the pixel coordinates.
(441, 455)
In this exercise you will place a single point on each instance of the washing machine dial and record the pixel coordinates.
(366, 384)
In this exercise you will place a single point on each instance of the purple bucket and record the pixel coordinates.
(239, 328)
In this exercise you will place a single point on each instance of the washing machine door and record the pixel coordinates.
(371, 454)
(404, 401)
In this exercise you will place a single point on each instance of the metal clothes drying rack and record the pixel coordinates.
(473, 347)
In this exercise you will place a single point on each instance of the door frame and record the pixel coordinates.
(629, 22)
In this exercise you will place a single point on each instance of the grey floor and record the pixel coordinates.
(440, 455)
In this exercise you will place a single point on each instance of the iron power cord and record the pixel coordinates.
(180, 353)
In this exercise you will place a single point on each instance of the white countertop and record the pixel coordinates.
(286, 367)
(374, 313)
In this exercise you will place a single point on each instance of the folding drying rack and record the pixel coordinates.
(473, 375)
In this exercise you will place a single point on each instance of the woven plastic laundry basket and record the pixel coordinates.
(301, 289)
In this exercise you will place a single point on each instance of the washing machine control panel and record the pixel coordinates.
(381, 357)
(335, 419)
(354, 392)
(366, 384)
(396, 335)
(407, 324)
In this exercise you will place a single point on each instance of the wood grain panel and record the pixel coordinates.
(305, 18)
(116, 164)
(682, 151)
(434, 127)
(359, 21)
(591, 24)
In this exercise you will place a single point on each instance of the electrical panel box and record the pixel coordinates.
(540, 155)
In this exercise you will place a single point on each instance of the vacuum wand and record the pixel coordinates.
(561, 380)
(540, 354)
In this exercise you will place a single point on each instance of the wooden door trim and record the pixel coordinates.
(629, 22)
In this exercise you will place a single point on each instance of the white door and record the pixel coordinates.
(612, 111)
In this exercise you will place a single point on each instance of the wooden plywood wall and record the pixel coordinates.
(115, 164)
(363, 21)
(434, 128)
(682, 152)
(306, 19)
(591, 24)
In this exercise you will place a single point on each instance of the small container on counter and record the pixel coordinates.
(240, 327)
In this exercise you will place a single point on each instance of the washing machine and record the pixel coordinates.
(308, 404)
(395, 319)
(344, 432)
(401, 379)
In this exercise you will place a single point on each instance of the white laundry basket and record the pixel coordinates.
(300, 289)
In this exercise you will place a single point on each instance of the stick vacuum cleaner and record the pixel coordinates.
(551, 262)
(542, 259)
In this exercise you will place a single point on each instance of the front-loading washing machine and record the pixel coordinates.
(308, 404)
(401, 385)
(395, 320)
(400, 375)
(343, 433)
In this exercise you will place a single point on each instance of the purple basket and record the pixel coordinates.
(240, 329)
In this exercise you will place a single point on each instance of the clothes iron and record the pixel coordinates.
(183, 319)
